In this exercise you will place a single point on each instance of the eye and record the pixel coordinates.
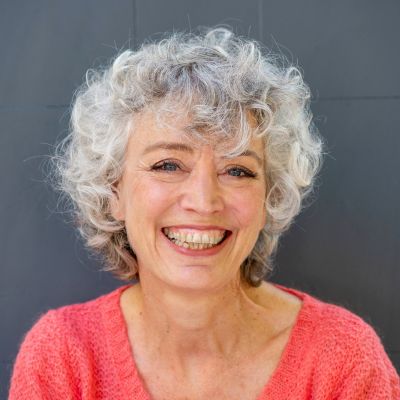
(241, 172)
(165, 166)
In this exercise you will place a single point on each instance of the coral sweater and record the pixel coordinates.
(82, 351)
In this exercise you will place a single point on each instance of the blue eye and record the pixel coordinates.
(172, 166)
(240, 172)
(165, 166)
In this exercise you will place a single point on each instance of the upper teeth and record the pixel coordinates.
(207, 237)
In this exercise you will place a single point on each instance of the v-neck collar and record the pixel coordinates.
(282, 380)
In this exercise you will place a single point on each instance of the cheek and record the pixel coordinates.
(248, 208)
(148, 200)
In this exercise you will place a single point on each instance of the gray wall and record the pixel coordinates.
(344, 248)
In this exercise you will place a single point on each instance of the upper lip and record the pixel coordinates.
(198, 227)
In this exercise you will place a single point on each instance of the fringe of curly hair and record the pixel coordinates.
(220, 78)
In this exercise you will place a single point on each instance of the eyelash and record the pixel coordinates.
(162, 164)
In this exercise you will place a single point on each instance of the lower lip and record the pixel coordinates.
(197, 253)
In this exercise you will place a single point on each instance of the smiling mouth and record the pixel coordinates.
(196, 240)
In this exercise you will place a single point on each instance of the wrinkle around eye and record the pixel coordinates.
(161, 166)
(244, 172)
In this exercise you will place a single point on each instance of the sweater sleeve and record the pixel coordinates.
(370, 375)
(42, 369)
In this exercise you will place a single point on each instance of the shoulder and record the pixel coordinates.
(331, 323)
(83, 317)
(62, 342)
(337, 328)
(325, 324)
(75, 320)
(334, 329)
(346, 352)
(333, 353)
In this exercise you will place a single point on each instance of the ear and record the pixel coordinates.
(116, 203)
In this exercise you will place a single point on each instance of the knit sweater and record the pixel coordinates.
(83, 352)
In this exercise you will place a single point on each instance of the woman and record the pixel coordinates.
(186, 161)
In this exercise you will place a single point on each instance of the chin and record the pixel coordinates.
(198, 278)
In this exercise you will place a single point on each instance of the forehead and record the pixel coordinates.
(150, 127)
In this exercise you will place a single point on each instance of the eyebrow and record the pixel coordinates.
(187, 149)
(251, 153)
(168, 146)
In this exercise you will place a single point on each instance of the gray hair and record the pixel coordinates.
(220, 79)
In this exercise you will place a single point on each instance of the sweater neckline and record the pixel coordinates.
(281, 381)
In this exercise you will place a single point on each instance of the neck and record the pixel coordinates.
(188, 323)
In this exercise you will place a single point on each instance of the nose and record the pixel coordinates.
(202, 192)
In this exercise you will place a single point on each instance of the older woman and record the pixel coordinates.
(186, 161)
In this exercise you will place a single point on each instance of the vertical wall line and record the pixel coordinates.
(134, 24)
(260, 21)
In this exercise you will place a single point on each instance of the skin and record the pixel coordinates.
(191, 318)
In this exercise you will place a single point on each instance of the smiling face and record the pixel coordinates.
(192, 215)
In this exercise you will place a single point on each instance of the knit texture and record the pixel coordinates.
(82, 351)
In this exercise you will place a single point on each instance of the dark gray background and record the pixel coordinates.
(344, 248)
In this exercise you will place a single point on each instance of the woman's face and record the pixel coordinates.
(192, 215)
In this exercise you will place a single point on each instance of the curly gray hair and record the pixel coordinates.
(220, 78)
